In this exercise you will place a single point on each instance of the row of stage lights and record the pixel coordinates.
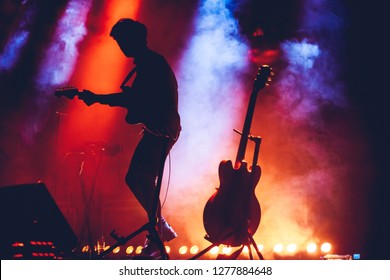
(312, 249)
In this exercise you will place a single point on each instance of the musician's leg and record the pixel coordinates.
(143, 170)
(141, 179)
(142, 175)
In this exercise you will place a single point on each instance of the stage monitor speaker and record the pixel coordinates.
(32, 225)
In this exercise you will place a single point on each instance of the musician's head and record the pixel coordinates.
(130, 36)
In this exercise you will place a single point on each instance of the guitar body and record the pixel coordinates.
(224, 222)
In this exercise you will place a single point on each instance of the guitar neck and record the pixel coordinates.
(69, 92)
(246, 129)
(263, 76)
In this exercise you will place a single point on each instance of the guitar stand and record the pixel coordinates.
(235, 255)
(150, 227)
(250, 240)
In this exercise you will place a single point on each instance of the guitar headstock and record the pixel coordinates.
(69, 92)
(263, 77)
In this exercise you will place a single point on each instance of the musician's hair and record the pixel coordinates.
(127, 28)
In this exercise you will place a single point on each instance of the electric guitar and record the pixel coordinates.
(132, 117)
(233, 211)
(69, 92)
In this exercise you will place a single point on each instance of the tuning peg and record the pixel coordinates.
(272, 73)
(267, 84)
(269, 79)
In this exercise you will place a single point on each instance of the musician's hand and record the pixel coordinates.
(88, 97)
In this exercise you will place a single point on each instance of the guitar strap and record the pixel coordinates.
(128, 77)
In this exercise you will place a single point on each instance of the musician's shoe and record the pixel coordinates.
(150, 251)
(166, 231)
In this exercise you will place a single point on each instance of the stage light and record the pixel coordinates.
(278, 248)
(326, 247)
(168, 249)
(138, 250)
(226, 250)
(246, 249)
(85, 249)
(116, 250)
(18, 244)
(194, 249)
(260, 247)
(291, 248)
(311, 248)
(183, 250)
(214, 250)
(129, 250)
(100, 245)
(259, 32)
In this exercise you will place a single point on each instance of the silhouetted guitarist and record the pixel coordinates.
(153, 101)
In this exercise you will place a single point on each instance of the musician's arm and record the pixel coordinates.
(112, 99)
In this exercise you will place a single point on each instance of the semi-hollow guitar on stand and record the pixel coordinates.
(232, 214)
